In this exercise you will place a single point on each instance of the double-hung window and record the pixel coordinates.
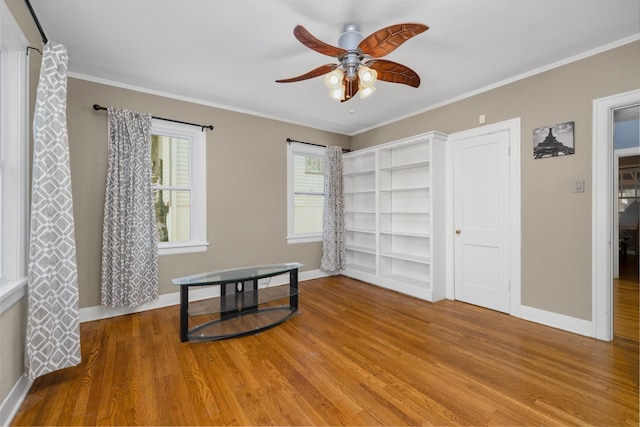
(178, 180)
(305, 192)
(14, 161)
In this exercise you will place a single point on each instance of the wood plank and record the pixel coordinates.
(356, 355)
(625, 312)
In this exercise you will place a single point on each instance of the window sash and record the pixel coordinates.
(196, 187)
(294, 235)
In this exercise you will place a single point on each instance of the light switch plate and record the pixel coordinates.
(578, 186)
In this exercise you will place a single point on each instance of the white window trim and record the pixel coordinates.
(304, 149)
(198, 183)
(14, 155)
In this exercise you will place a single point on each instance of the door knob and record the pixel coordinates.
(458, 231)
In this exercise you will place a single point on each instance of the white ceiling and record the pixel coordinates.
(228, 53)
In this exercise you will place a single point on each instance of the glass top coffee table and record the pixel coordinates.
(243, 306)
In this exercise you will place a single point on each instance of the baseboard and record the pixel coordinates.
(14, 399)
(555, 320)
(391, 284)
(88, 314)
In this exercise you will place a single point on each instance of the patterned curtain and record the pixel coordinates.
(129, 236)
(53, 319)
(333, 246)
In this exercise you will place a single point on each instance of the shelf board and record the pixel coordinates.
(360, 211)
(363, 268)
(407, 280)
(360, 230)
(407, 257)
(359, 192)
(241, 323)
(362, 249)
(405, 166)
(406, 233)
(360, 172)
(248, 298)
(405, 212)
(390, 190)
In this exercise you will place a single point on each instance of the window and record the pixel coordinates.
(305, 192)
(178, 180)
(14, 158)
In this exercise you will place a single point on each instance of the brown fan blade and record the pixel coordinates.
(393, 72)
(350, 89)
(323, 69)
(386, 40)
(311, 42)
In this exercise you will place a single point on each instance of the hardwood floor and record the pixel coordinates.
(629, 267)
(625, 309)
(357, 355)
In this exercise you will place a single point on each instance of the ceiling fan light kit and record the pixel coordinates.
(334, 78)
(366, 91)
(359, 67)
(366, 79)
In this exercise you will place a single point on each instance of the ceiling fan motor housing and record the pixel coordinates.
(349, 39)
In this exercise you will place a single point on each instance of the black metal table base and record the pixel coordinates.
(241, 312)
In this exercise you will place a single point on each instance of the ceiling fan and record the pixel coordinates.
(359, 64)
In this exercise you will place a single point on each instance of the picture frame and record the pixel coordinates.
(553, 141)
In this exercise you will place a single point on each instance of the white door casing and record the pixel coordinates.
(602, 211)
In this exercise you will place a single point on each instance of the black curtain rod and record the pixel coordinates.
(289, 140)
(35, 18)
(203, 127)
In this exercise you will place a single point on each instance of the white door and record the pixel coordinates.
(481, 220)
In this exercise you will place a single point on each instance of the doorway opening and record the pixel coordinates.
(628, 216)
(626, 174)
(605, 217)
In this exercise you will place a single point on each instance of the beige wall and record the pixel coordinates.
(246, 184)
(556, 223)
(12, 333)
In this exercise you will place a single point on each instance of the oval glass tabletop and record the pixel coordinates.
(236, 274)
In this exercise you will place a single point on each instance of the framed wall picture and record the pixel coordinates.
(553, 141)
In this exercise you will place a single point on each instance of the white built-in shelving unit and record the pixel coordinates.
(394, 215)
